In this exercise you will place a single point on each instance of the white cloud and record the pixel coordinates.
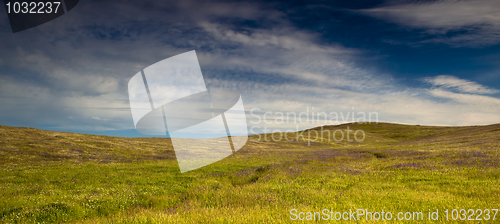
(294, 55)
(477, 20)
(461, 85)
(78, 80)
(468, 99)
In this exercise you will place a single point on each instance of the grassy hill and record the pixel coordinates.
(48, 176)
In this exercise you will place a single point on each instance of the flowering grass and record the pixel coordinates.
(53, 177)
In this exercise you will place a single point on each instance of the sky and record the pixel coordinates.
(410, 62)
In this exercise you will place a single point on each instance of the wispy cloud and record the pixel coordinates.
(469, 99)
(75, 75)
(472, 23)
(461, 85)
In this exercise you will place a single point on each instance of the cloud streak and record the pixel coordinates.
(460, 85)
(471, 23)
(74, 74)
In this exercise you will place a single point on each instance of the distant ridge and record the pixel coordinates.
(20, 144)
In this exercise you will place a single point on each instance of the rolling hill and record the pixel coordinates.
(51, 176)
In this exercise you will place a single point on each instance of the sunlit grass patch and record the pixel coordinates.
(52, 177)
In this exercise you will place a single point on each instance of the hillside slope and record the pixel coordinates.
(54, 177)
(19, 144)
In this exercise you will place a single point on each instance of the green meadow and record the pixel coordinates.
(55, 177)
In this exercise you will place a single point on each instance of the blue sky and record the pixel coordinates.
(413, 62)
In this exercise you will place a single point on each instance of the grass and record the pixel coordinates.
(53, 177)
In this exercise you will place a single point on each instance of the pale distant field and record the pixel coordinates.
(53, 177)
